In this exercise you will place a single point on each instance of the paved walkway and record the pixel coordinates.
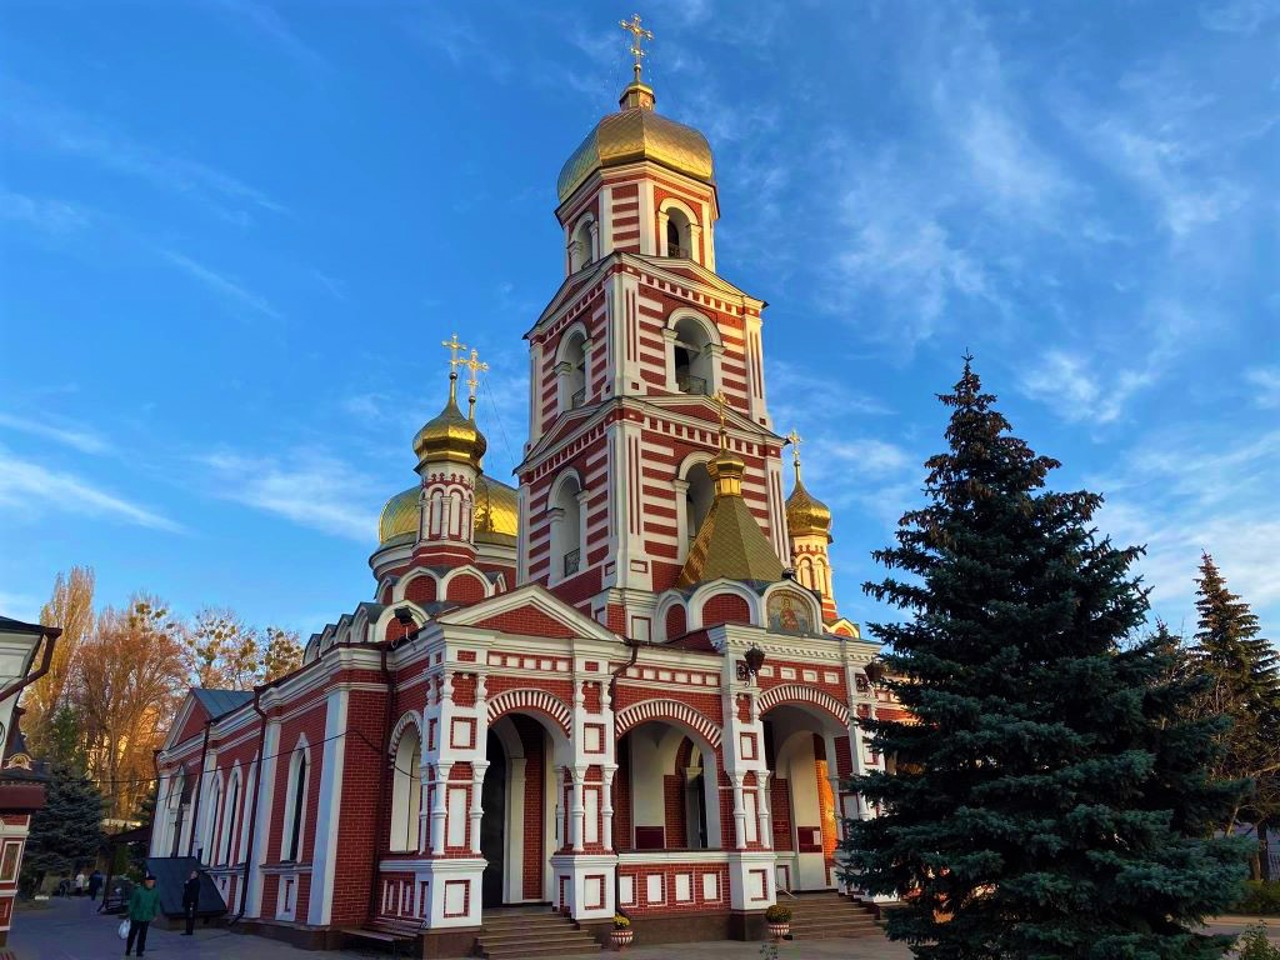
(69, 929)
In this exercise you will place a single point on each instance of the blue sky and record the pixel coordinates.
(232, 236)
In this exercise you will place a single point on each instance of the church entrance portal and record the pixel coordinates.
(519, 800)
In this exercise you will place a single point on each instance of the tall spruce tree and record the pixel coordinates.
(67, 832)
(1048, 801)
(1243, 673)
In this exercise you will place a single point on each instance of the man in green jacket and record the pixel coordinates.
(144, 906)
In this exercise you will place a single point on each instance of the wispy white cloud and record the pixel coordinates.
(45, 215)
(449, 33)
(1078, 390)
(32, 488)
(267, 21)
(1181, 492)
(1239, 16)
(229, 289)
(310, 488)
(1265, 382)
(32, 120)
(74, 436)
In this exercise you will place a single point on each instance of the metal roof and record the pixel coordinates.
(218, 702)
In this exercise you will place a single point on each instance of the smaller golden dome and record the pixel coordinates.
(451, 435)
(807, 516)
(637, 133)
(497, 514)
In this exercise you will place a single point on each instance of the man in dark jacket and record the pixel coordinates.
(191, 901)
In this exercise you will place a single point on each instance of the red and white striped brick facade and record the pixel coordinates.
(574, 722)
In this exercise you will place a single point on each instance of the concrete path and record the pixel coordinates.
(69, 929)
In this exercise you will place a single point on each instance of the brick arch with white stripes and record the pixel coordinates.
(798, 693)
(536, 701)
(647, 710)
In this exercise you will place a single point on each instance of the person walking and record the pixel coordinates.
(144, 906)
(191, 901)
(95, 884)
(81, 882)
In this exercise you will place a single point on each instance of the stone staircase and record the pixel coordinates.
(822, 916)
(518, 934)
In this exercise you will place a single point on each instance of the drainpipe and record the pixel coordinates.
(613, 700)
(195, 808)
(253, 816)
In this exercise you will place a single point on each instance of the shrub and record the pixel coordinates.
(1254, 945)
(778, 914)
(1260, 899)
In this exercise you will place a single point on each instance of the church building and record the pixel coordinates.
(622, 685)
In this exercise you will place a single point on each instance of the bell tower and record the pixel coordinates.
(624, 364)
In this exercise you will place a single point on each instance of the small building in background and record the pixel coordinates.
(25, 652)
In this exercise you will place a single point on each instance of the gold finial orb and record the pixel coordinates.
(807, 516)
(450, 435)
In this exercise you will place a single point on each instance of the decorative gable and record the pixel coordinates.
(529, 611)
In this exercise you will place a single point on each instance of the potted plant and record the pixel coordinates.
(622, 934)
(778, 918)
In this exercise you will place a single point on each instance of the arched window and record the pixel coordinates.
(679, 236)
(406, 791)
(571, 370)
(214, 815)
(582, 246)
(229, 820)
(566, 527)
(698, 497)
(296, 807)
(691, 357)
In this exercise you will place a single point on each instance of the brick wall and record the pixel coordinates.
(533, 739)
(725, 608)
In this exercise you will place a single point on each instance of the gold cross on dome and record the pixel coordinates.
(638, 35)
(454, 346)
(795, 440)
(475, 366)
(720, 399)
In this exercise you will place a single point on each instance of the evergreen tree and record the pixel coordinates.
(67, 832)
(1243, 671)
(1049, 801)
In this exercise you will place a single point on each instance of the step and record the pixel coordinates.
(527, 952)
(516, 939)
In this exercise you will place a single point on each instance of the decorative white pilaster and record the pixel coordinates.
(606, 805)
(764, 816)
(739, 812)
(438, 809)
(478, 768)
(577, 808)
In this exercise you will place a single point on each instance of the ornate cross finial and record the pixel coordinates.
(454, 346)
(795, 440)
(721, 400)
(475, 366)
(638, 35)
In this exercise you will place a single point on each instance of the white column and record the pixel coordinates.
(763, 812)
(577, 809)
(478, 768)
(606, 805)
(739, 812)
(438, 811)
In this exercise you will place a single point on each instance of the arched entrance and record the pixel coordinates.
(518, 827)
(666, 790)
(801, 745)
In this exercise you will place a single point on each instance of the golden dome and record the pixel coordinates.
(451, 435)
(807, 516)
(637, 133)
(497, 514)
